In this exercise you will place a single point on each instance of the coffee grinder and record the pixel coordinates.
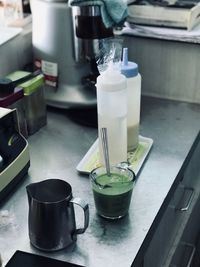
(66, 41)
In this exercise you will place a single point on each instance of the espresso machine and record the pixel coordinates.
(14, 152)
(66, 41)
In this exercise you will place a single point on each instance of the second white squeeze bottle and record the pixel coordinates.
(130, 70)
(112, 114)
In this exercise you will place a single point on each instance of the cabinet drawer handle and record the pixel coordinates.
(191, 248)
(186, 199)
(186, 262)
(189, 264)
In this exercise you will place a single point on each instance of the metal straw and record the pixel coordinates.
(104, 139)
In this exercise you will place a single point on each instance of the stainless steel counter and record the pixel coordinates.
(56, 150)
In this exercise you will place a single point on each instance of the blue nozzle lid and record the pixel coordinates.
(128, 68)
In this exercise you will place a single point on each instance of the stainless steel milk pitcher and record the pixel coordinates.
(51, 219)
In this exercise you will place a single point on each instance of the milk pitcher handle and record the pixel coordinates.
(84, 206)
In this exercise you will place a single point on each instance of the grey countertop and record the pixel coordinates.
(55, 151)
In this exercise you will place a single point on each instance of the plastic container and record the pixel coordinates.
(130, 70)
(35, 105)
(112, 114)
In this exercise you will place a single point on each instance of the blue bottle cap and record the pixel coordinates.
(128, 68)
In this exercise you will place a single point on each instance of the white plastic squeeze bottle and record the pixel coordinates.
(130, 70)
(112, 114)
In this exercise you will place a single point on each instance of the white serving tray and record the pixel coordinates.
(135, 158)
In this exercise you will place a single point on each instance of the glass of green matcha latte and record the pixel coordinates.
(112, 191)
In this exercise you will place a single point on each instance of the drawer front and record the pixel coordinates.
(187, 251)
(176, 216)
(191, 176)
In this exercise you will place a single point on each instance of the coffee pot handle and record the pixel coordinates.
(84, 206)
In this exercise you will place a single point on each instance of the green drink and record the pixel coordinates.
(112, 194)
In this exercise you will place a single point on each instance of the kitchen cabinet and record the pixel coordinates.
(173, 235)
(15, 49)
(185, 252)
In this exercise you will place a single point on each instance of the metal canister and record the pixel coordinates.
(35, 104)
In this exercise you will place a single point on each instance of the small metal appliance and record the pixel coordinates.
(66, 41)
